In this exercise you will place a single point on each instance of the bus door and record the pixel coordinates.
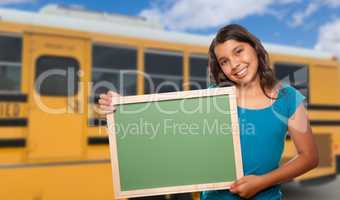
(57, 99)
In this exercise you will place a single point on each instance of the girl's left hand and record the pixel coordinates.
(247, 186)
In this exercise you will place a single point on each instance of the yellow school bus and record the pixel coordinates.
(55, 62)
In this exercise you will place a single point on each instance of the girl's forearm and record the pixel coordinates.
(295, 167)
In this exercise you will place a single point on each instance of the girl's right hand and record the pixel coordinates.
(106, 100)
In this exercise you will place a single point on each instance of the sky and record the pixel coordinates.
(313, 24)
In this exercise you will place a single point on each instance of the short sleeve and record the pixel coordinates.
(212, 85)
(293, 99)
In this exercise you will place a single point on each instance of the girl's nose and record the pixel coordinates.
(235, 63)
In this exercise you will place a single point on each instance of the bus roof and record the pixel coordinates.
(81, 22)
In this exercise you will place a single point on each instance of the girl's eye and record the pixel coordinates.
(239, 51)
(223, 63)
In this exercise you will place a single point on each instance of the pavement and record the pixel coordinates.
(322, 190)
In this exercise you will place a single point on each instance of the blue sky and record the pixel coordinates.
(309, 24)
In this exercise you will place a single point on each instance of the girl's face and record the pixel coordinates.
(238, 61)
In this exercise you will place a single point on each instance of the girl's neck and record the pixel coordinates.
(252, 88)
(252, 96)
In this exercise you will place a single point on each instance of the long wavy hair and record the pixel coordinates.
(240, 34)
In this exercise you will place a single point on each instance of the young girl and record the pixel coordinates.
(266, 110)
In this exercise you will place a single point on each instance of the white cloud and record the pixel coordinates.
(333, 3)
(202, 14)
(289, 1)
(329, 38)
(7, 2)
(299, 17)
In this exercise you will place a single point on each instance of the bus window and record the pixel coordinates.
(114, 68)
(10, 64)
(295, 75)
(198, 71)
(56, 76)
(163, 71)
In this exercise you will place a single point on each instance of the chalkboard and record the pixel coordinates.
(174, 142)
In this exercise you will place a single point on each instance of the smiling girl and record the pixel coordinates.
(272, 109)
(237, 57)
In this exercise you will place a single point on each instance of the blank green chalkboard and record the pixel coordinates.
(174, 142)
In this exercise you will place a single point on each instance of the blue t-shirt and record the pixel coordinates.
(262, 135)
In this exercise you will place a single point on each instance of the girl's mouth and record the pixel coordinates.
(242, 73)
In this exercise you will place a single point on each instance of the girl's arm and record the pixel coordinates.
(307, 153)
(305, 160)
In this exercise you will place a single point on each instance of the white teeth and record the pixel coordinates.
(241, 72)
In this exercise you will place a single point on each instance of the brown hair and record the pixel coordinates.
(240, 34)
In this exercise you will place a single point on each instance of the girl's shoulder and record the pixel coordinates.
(212, 85)
(288, 91)
(289, 97)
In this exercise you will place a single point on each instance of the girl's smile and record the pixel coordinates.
(241, 73)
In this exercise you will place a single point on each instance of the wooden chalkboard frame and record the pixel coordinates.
(229, 91)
